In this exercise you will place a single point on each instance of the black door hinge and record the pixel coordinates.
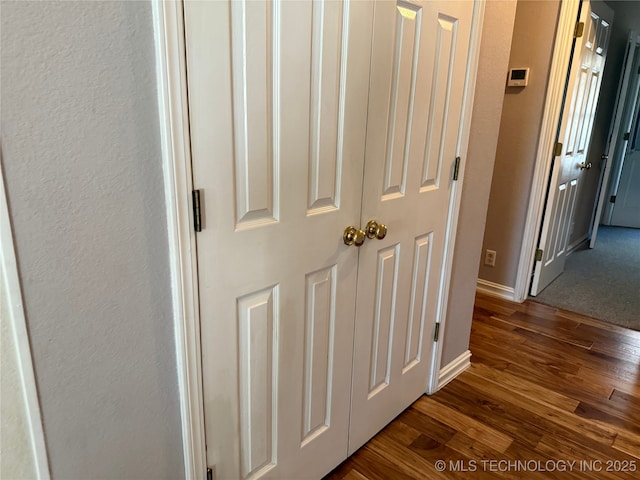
(456, 168)
(612, 199)
(436, 334)
(197, 212)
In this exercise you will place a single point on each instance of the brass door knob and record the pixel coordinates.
(584, 166)
(353, 236)
(376, 230)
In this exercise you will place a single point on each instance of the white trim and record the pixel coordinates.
(174, 127)
(18, 324)
(454, 368)
(548, 132)
(496, 290)
(456, 194)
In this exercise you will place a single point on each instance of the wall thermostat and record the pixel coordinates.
(518, 77)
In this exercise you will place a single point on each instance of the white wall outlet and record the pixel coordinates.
(490, 258)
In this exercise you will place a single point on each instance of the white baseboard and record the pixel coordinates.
(496, 290)
(454, 368)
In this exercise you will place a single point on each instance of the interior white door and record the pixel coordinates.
(576, 126)
(277, 99)
(616, 146)
(418, 69)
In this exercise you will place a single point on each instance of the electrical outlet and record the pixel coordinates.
(490, 258)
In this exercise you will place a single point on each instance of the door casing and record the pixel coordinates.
(168, 23)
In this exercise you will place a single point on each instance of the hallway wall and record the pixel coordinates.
(533, 40)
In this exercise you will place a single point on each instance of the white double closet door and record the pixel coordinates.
(306, 118)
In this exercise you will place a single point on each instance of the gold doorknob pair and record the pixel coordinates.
(584, 166)
(355, 236)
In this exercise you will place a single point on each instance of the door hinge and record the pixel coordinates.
(210, 473)
(626, 136)
(557, 149)
(579, 30)
(197, 212)
(539, 253)
(456, 168)
(612, 199)
(436, 334)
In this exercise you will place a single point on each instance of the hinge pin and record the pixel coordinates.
(197, 214)
(456, 168)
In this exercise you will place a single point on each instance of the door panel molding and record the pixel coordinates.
(171, 71)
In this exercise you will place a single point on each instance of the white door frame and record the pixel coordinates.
(178, 182)
(548, 136)
(171, 74)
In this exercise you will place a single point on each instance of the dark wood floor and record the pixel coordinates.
(546, 387)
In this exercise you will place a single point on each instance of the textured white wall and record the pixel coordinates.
(485, 125)
(82, 164)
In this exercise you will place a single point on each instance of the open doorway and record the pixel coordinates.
(603, 279)
(512, 222)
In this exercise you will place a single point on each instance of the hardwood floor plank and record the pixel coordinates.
(632, 335)
(561, 448)
(554, 415)
(545, 373)
(425, 424)
(607, 415)
(629, 405)
(496, 413)
(474, 429)
(564, 330)
(525, 387)
(627, 444)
